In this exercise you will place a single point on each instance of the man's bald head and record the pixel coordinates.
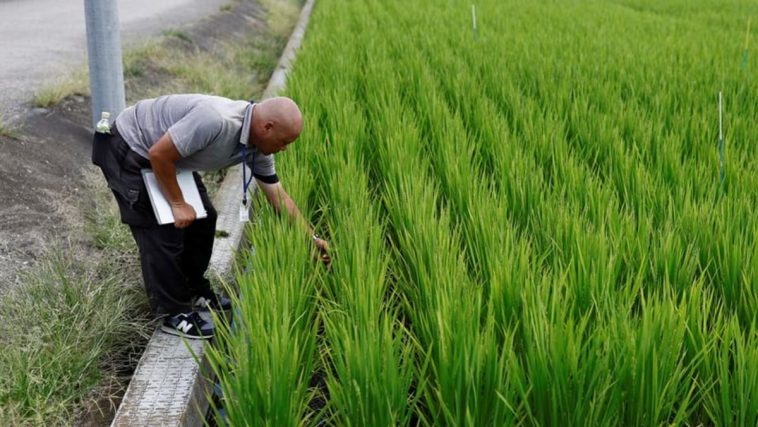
(284, 111)
(277, 122)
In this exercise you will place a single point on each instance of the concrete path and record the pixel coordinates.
(43, 40)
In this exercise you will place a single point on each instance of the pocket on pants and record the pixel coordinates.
(100, 148)
(131, 195)
(134, 206)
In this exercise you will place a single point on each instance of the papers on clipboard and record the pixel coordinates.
(161, 207)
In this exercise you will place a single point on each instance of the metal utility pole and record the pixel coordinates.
(106, 71)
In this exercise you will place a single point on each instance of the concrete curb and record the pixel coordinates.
(171, 384)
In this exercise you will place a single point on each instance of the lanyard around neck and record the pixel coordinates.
(245, 181)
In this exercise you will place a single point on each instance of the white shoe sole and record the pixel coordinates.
(172, 331)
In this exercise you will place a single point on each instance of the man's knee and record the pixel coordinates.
(165, 240)
(205, 225)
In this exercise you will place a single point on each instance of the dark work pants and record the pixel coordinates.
(173, 260)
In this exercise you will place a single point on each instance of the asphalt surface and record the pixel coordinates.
(43, 40)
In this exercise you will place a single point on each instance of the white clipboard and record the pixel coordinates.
(161, 207)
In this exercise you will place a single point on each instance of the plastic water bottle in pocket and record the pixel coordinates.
(104, 125)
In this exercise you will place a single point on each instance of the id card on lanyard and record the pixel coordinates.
(244, 211)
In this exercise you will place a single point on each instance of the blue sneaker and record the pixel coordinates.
(189, 325)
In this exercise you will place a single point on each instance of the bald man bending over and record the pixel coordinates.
(197, 133)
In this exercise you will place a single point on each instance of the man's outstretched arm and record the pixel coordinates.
(281, 201)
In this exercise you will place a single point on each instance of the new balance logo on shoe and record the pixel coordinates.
(190, 325)
(184, 326)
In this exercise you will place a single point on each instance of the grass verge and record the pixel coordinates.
(53, 93)
(73, 325)
(7, 129)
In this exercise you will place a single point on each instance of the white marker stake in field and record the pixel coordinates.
(473, 19)
(747, 40)
(721, 144)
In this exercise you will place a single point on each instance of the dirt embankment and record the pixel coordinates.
(41, 183)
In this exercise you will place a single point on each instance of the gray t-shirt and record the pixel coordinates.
(208, 131)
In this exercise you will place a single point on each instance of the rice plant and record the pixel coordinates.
(528, 226)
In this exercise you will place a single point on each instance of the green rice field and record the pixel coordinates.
(528, 221)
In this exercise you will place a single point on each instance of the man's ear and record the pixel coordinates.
(268, 126)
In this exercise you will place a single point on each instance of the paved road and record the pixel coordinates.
(41, 40)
